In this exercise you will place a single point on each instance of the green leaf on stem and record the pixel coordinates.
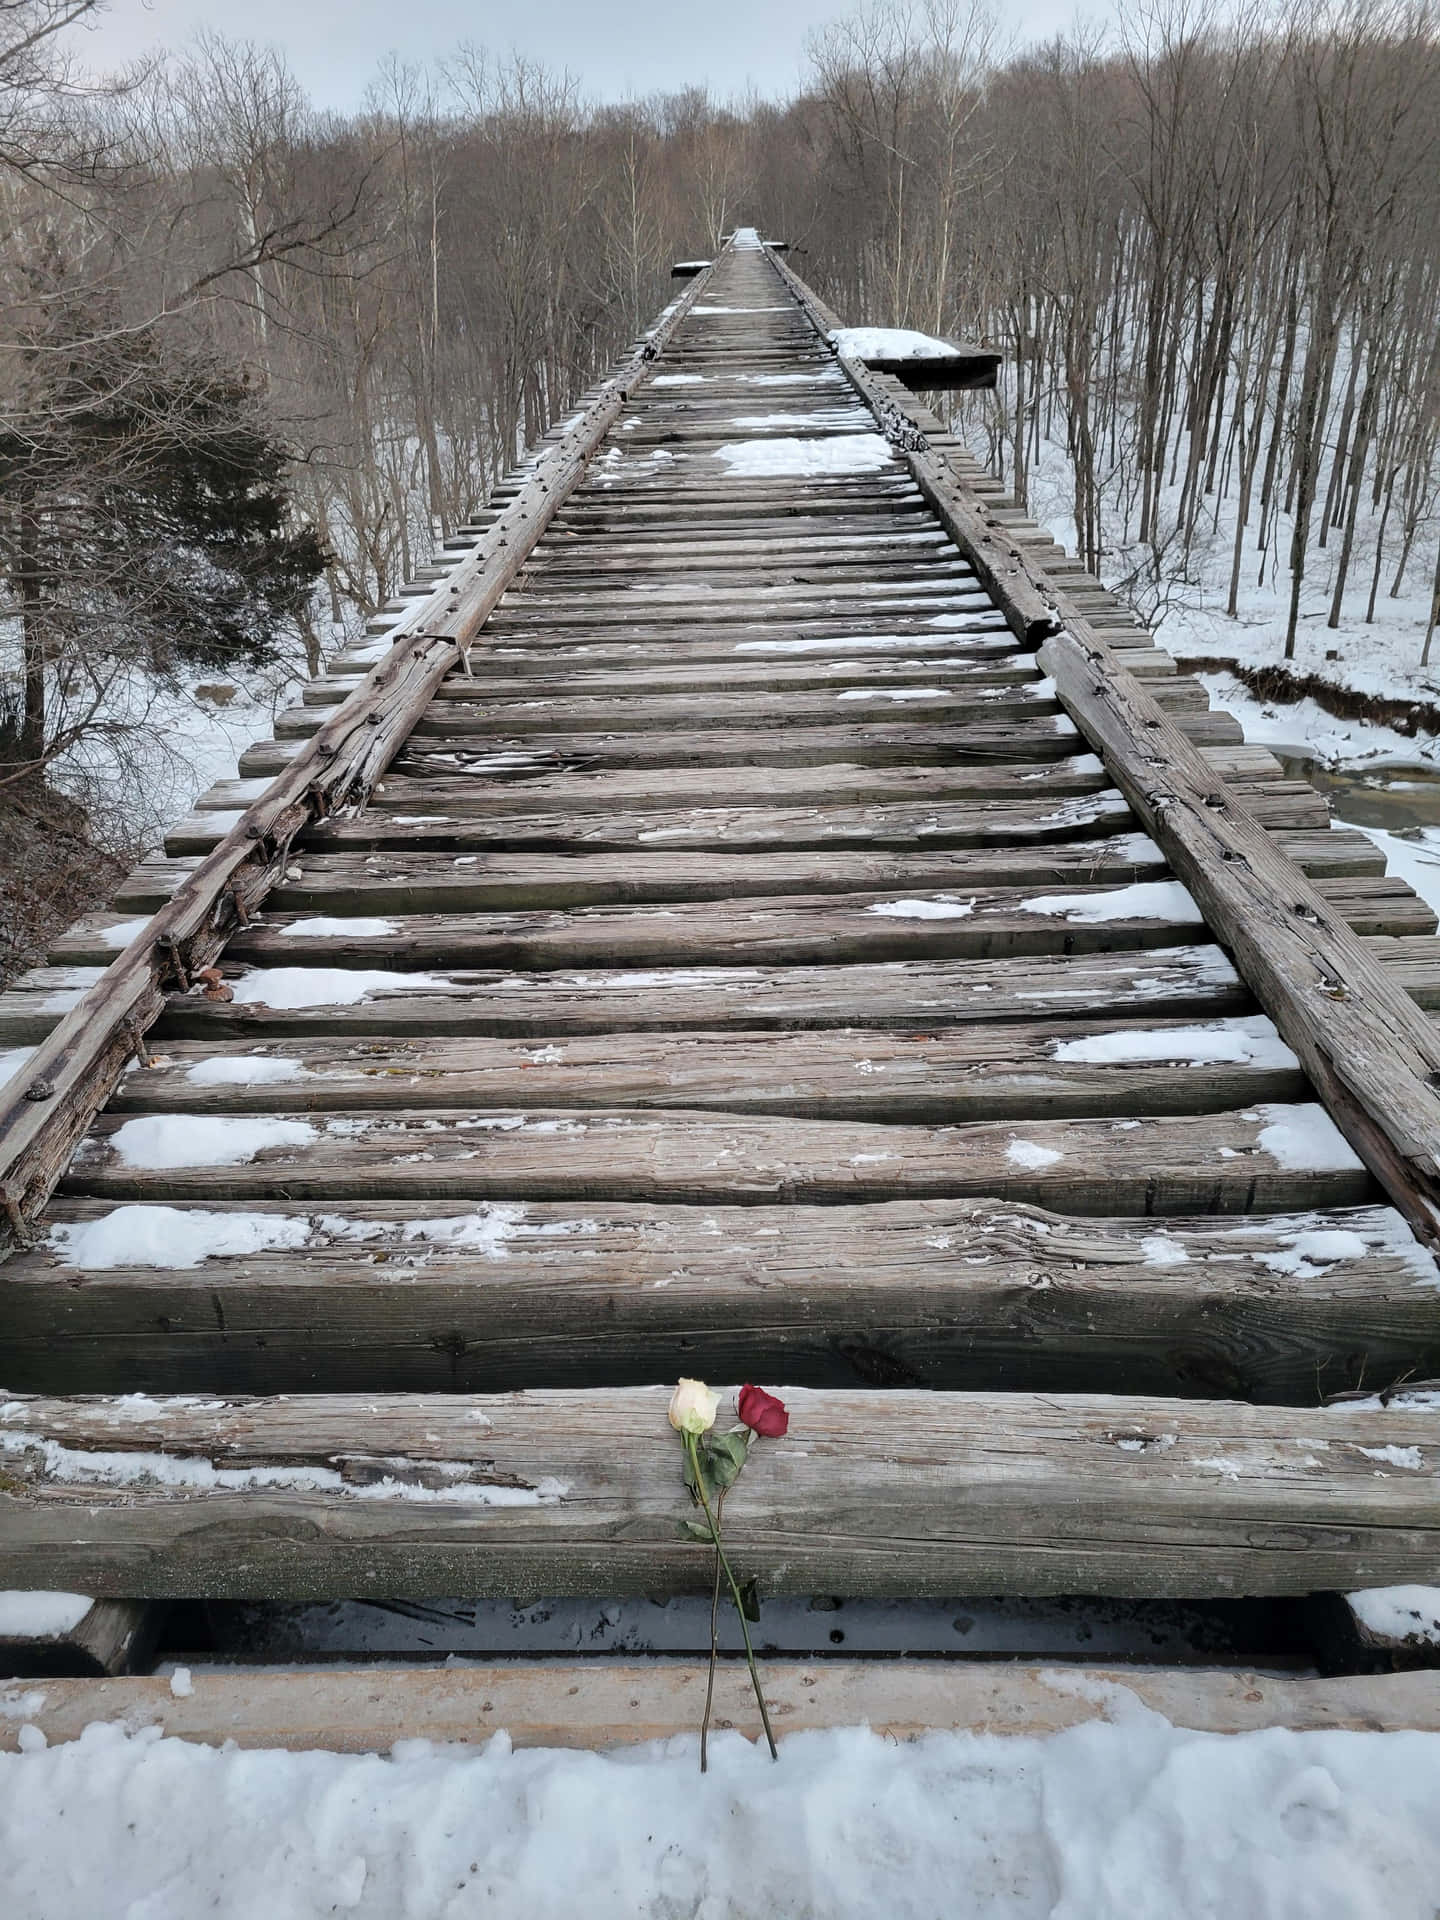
(750, 1600)
(724, 1455)
(696, 1530)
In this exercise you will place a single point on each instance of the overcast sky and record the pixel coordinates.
(616, 48)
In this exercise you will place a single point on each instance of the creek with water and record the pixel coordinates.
(1397, 798)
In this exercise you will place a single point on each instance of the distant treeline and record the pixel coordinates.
(1211, 254)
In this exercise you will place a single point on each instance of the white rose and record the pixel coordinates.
(693, 1407)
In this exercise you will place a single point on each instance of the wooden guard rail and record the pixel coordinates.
(45, 1110)
(1371, 1053)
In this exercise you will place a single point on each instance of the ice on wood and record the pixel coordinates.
(940, 907)
(291, 988)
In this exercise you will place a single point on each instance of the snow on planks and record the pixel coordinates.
(561, 1492)
(749, 973)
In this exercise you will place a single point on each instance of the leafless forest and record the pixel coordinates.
(1209, 251)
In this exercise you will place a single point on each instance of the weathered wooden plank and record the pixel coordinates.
(521, 761)
(598, 1705)
(1265, 1158)
(1291, 807)
(825, 927)
(984, 824)
(817, 930)
(1041, 784)
(960, 1295)
(488, 712)
(438, 882)
(992, 1071)
(1191, 982)
(880, 743)
(555, 1492)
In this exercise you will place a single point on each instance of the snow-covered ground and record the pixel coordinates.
(1123, 1818)
(1187, 613)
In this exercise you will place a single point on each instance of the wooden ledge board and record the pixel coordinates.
(970, 1296)
(597, 1704)
(580, 1492)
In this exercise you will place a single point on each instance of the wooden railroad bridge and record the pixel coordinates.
(754, 909)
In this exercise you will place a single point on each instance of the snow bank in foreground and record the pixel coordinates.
(888, 343)
(838, 453)
(1133, 1818)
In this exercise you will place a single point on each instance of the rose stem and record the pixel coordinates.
(694, 1452)
(714, 1648)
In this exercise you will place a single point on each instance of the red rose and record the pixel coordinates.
(762, 1413)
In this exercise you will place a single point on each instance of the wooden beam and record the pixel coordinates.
(600, 1704)
(970, 1295)
(322, 1496)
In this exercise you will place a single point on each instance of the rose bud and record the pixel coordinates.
(692, 1407)
(763, 1413)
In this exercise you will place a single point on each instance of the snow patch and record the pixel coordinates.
(1030, 1155)
(1121, 1815)
(41, 1616)
(123, 932)
(839, 453)
(1304, 1139)
(323, 927)
(244, 1070)
(156, 1141)
(1251, 1042)
(289, 988)
(1160, 1250)
(172, 1237)
(1144, 900)
(192, 1473)
(1410, 1458)
(888, 343)
(941, 907)
(1399, 1613)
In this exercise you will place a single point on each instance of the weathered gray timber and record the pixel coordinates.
(1372, 1057)
(936, 1293)
(1290, 804)
(559, 1492)
(985, 1072)
(1265, 1158)
(423, 881)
